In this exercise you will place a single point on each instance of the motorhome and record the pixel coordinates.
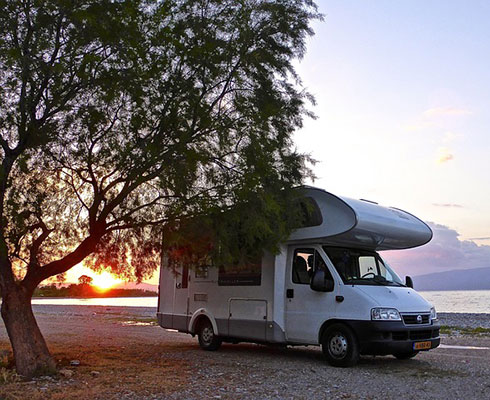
(327, 286)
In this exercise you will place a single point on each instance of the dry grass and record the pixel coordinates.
(131, 356)
(132, 371)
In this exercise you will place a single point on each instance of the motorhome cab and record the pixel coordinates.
(328, 286)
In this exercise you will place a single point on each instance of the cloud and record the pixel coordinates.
(481, 238)
(443, 253)
(444, 155)
(448, 205)
(438, 118)
(450, 137)
(437, 112)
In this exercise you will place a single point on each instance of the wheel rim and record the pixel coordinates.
(207, 334)
(337, 345)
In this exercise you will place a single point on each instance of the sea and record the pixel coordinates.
(450, 301)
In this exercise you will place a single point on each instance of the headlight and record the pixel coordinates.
(433, 314)
(385, 314)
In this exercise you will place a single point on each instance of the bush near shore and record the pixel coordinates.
(85, 290)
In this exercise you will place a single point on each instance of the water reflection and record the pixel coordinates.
(101, 301)
(460, 301)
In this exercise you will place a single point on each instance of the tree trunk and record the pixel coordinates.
(31, 353)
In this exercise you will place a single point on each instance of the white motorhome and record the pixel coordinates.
(328, 286)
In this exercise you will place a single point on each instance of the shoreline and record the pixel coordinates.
(453, 319)
(92, 297)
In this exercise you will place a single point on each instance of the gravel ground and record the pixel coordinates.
(249, 371)
(465, 320)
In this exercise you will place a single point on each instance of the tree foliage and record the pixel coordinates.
(118, 117)
(85, 280)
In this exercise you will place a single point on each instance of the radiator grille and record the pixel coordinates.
(412, 319)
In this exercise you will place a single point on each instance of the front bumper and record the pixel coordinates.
(390, 337)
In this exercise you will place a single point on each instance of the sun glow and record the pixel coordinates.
(104, 281)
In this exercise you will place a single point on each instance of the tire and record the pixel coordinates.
(407, 355)
(339, 346)
(206, 336)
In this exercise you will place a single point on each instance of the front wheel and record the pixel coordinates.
(406, 355)
(206, 336)
(339, 346)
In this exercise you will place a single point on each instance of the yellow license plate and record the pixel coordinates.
(422, 345)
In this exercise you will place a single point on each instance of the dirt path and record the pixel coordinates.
(124, 355)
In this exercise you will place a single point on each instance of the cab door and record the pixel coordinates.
(306, 309)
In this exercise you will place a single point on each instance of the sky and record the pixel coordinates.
(403, 117)
(403, 101)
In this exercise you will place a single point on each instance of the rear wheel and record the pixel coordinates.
(340, 347)
(406, 355)
(206, 336)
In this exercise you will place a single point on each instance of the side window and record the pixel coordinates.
(320, 264)
(201, 272)
(241, 274)
(303, 262)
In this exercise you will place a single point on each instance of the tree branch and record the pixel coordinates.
(85, 248)
(124, 217)
(5, 146)
(36, 245)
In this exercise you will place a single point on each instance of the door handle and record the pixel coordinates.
(290, 293)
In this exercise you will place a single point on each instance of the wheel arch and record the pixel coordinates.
(330, 322)
(200, 315)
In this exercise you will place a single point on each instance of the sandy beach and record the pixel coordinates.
(123, 354)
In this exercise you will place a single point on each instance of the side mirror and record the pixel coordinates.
(319, 283)
(408, 282)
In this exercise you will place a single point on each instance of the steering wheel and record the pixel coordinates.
(367, 274)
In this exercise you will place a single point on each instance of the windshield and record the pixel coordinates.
(362, 267)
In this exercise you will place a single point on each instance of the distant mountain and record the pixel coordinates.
(460, 279)
(133, 285)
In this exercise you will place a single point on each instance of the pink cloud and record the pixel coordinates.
(443, 253)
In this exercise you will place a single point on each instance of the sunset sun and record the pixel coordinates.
(104, 281)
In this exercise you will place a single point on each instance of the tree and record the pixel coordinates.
(118, 118)
(85, 280)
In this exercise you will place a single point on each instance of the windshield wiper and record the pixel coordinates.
(378, 279)
(362, 280)
(382, 280)
(397, 283)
